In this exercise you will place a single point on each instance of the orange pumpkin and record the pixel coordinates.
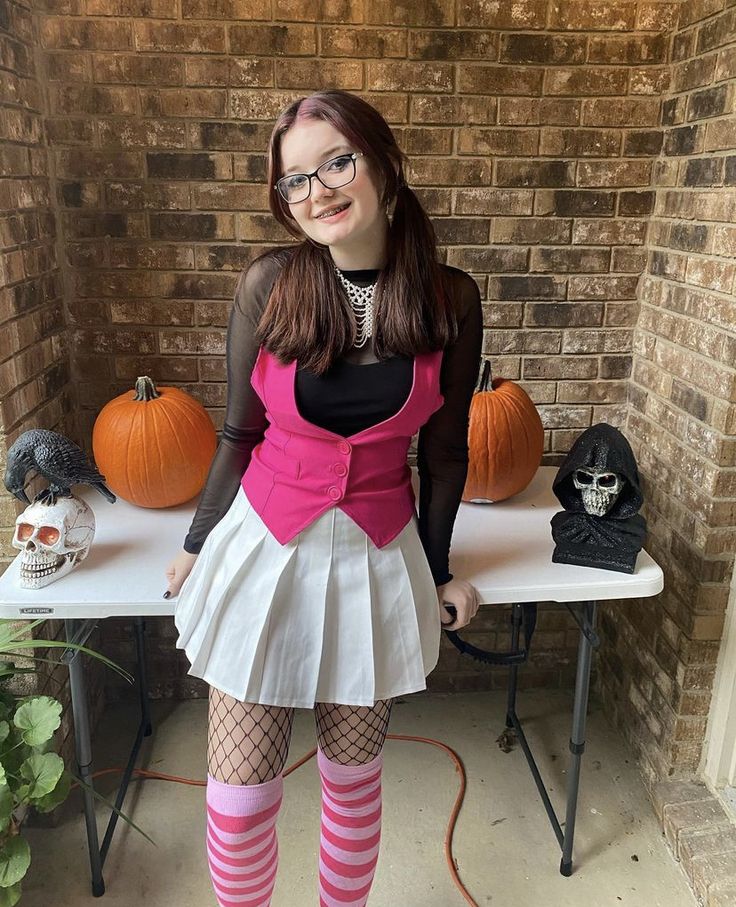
(505, 440)
(154, 445)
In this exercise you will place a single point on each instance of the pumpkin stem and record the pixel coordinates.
(145, 389)
(486, 376)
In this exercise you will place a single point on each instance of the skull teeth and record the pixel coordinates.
(40, 566)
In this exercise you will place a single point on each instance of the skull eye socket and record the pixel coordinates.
(605, 479)
(49, 535)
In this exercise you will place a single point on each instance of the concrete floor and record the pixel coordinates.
(504, 846)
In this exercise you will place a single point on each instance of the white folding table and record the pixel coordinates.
(504, 549)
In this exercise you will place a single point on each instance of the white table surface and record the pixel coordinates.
(504, 549)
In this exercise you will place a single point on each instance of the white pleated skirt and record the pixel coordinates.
(327, 617)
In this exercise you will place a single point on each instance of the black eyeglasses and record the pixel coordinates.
(339, 171)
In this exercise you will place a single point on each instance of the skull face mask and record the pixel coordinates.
(598, 485)
(598, 489)
(53, 539)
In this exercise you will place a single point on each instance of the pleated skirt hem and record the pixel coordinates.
(327, 617)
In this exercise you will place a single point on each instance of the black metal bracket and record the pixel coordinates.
(585, 628)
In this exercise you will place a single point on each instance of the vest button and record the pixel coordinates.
(343, 447)
(340, 469)
(334, 492)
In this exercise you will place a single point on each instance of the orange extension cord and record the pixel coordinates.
(459, 768)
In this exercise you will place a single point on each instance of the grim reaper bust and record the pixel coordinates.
(598, 485)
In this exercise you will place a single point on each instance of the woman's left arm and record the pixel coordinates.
(442, 452)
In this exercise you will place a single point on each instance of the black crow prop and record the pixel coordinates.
(56, 459)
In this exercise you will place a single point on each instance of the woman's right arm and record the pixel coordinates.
(245, 418)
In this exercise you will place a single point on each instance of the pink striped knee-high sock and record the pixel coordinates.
(242, 846)
(350, 830)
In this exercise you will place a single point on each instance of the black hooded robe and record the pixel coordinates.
(611, 541)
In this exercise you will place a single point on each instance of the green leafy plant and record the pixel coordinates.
(31, 774)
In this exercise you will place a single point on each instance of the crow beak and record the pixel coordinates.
(22, 496)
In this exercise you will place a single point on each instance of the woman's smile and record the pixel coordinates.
(333, 217)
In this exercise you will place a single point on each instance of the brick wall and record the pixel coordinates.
(36, 387)
(531, 131)
(659, 661)
(535, 133)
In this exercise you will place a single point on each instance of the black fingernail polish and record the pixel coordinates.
(167, 594)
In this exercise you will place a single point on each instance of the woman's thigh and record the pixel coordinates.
(247, 743)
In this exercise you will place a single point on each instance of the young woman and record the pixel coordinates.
(307, 579)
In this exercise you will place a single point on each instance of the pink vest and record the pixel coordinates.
(299, 470)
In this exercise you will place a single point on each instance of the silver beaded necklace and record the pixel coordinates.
(361, 299)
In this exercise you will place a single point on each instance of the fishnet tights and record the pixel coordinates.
(248, 743)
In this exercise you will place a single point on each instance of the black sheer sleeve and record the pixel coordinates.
(442, 444)
(245, 417)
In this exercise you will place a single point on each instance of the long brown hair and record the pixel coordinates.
(308, 317)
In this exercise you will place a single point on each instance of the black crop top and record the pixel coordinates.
(357, 392)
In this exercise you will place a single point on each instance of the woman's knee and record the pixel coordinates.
(351, 734)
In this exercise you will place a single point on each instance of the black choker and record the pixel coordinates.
(361, 273)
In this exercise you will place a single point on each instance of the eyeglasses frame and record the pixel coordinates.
(310, 176)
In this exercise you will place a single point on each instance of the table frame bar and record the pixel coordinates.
(585, 616)
(78, 631)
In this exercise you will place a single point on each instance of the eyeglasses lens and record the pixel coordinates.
(335, 173)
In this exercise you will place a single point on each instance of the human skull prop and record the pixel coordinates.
(599, 489)
(53, 539)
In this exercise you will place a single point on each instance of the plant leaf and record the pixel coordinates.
(8, 672)
(38, 718)
(51, 800)
(10, 896)
(15, 858)
(15, 752)
(9, 632)
(113, 808)
(43, 771)
(6, 806)
(59, 644)
(51, 661)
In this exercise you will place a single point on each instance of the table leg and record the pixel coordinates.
(577, 738)
(78, 631)
(83, 746)
(514, 672)
(588, 641)
(144, 730)
(140, 640)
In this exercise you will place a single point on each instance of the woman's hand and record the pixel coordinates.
(465, 599)
(178, 570)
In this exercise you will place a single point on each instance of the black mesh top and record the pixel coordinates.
(357, 392)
